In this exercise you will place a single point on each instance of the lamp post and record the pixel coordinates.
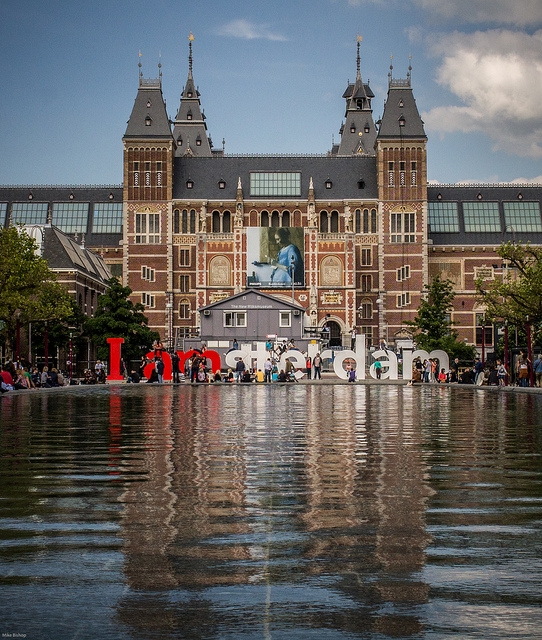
(529, 352)
(71, 356)
(506, 345)
(292, 270)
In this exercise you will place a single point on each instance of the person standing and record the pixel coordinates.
(308, 365)
(479, 372)
(537, 366)
(501, 373)
(455, 371)
(160, 369)
(239, 370)
(523, 369)
(175, 371)
(268, 370)
(317, 366)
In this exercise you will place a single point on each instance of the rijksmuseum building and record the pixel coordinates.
(351, 236)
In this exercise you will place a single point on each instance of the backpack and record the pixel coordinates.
(202, 376)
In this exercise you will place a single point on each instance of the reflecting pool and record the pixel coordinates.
(302, 511)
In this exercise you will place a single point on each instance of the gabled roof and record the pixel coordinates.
(254, 295)
(63, 253)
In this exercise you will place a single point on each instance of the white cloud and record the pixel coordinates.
(497, 78)
(515, 12)
(249, 31)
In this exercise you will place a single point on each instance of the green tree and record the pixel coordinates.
(28, 288)
(516, 297)
(432, 322)
(118, 317)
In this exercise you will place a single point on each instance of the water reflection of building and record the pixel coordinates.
(266, 487)
(366, 498)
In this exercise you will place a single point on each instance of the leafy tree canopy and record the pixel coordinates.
(516, 296)
(432, 322)
(118, 317)
(28, 288)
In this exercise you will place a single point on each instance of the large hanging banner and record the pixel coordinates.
(275, 256)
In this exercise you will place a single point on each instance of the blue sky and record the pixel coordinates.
(271, 76)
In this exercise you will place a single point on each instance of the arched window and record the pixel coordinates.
(324, 227)
(226, 222)
(184, 309)
(264, 219)
(275, 219)
(176, 221)
(358, 220)
(285, 219)
(366, 309)
(334, 222)
(216, 222)
(192, 221)
(184, 222)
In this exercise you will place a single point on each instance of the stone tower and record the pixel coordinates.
(401, 154)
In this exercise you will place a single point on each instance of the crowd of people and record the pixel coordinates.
(17, 376)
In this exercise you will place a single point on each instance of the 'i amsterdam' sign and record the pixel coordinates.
(257, 358)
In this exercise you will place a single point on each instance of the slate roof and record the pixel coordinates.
(400, 102)
(484, 193)
(61, 193)
(149, 103)
(64, 254)
(344, 173)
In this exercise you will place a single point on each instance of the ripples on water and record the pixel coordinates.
(306, 511)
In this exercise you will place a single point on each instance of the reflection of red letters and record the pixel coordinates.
(114, 358)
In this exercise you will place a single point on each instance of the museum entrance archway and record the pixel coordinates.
(333, 333)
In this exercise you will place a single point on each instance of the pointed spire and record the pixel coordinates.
(190, 40)
(358, 62)
(358, 132)
(190, 119)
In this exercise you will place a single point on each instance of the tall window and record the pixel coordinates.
(403, 273)
(147, 228)
(184, 283)
(147, 273)
(329, 221)
(366, 310)
(221, 222)
(403, 299)
(148, 300)
(366, 256)
(403, 227)
(184, 309)
(484, 330)
(188, 221)
(184, 257)
(366, 283)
